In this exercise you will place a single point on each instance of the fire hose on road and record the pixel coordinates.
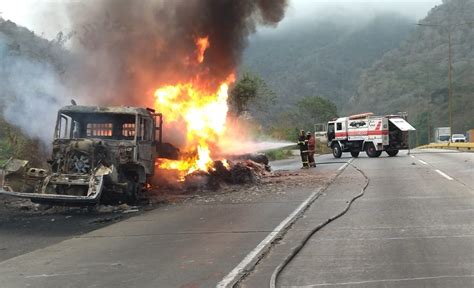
(300, 246)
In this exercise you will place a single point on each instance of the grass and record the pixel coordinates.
(279, 154)
(4, 152)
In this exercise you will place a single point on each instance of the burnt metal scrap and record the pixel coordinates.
(99, 153)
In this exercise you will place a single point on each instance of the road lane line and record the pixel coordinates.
(422, 162)
(345, 165)
(412, 156)
(443, 174)
(231, 277)
(386, 281)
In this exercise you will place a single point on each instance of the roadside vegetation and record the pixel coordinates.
(5, 149)
(13, 143)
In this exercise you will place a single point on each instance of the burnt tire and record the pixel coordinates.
(392, 153)
(336, 150)
(371, 151)
(355, 154)
(132, 192)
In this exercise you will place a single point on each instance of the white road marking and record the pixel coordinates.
(345, 165)
(54, 275)
(257, 250)
(422, 162)
(412, 156)
(443, 174)
(387, 280)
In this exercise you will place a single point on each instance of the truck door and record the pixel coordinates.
(146, 148)
(331, 133)
(341, 132)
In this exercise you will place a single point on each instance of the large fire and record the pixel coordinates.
(204, 112)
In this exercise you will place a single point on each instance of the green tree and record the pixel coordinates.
(315, 109)
(250, 90)
(307, 112)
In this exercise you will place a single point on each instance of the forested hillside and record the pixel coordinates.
(414, 77)
(323, 58)
(31, 70)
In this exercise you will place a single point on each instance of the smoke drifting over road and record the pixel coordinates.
(132, 47)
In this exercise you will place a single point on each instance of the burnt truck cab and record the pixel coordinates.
(98, 153)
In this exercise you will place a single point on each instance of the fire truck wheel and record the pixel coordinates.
(336, 150)
(371, 151)
(355, 154)
(392, 153)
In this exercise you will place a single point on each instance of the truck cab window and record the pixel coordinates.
(339, 126)
(63, 129)
(128, 130)
(145, 130)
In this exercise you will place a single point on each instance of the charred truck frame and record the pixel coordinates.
(99, 153)
(369, 133)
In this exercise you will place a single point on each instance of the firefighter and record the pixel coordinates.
(303, 145)
(311, 149)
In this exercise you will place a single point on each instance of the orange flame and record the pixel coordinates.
(202, 45)
(204, 113)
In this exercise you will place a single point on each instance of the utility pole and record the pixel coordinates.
(449, 28)
(429, 124)
(450, 86)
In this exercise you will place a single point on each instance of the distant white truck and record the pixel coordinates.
(369, 133)
(442, 134)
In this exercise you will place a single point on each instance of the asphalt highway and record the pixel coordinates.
(197, 243)
(413, 227)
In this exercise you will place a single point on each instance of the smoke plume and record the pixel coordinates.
(31, 87)
(132, 47)
(121, 51)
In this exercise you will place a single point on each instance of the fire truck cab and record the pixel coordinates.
(369, 133)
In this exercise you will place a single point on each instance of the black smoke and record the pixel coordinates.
(132, 47)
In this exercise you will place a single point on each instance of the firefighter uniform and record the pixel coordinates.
(311, 149)
(303, 145)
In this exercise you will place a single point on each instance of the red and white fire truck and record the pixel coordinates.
(369, 133)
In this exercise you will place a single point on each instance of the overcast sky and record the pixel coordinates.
(48, 17)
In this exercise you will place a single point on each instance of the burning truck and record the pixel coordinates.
(99, 153)
(179, 57)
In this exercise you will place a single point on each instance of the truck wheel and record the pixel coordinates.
(371, 151)
(336, 150)
(392, 153)
(355, 154)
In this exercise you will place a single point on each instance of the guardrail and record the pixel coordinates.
(457, 146)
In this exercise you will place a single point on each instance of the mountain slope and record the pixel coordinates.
(414, 77)
(324, 59)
